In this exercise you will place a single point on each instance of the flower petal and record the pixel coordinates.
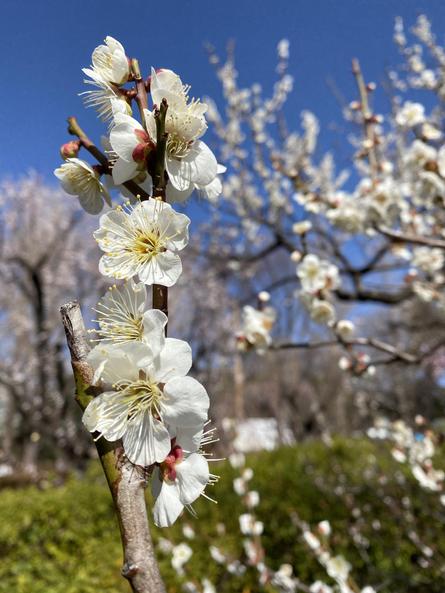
(146, 440)
(164, 268)
(192, 476)
(122, 136)
(189, 439)
(174, 195)
(107, 414)
(167, 507)
(186, 402)
(123, 170)
(92, 201)
(154, 322)
(174, 225)
(174, 360)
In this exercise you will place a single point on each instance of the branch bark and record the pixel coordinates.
(127, 482)
(410, 238)
(159, 292)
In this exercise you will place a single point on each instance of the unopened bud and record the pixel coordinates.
(371, 86)
(70, 149)
(296, 256)
(263, 296)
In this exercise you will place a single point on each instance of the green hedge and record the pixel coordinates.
(65, 540)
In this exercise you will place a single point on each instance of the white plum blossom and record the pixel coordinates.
(180, 479)
(302, 227)
(189, 162)
(110, 63)
(237, 460)
(410, 115)
(188, 531)
(338, 568)
(345, 328)
(79, 178)
(324, 527)
(181, 554)
(316, 274)
(249, 525)
(428, 259)
(252, 499)
(239, 486)
(132, 144)
(257, 325)
(312, 541)
(321, 311)
(146, 393)
(143, 240)
(207, 586)
(320, 587)
(122, 314)
(430, 479)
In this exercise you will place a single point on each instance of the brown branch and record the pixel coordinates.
(396, 355)
(409, 238)
(141, 92)
(367, 116)
(371, 295)
(75, 130)
(160, 293)
(127, 483)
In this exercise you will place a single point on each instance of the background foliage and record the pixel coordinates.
(65, 540)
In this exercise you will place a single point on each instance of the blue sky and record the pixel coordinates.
(44, 44)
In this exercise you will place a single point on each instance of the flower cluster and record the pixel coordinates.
(318, 278)
(413, 447)
(369, 234)
(132, 145)
(147, 401)
(336, 567)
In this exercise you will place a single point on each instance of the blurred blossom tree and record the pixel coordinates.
(329, 246)
(44, 258)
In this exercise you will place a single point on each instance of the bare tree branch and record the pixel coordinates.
(408, 238)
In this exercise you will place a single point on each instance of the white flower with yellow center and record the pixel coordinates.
(316, 274)
(149, 392)
(110, 63)
(321, 311)
(189, 162)
(257, 325)
(143, 240)
(78, 178)
(122, 315)
(181, 478)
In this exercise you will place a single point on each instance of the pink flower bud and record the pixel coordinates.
(70, 149)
